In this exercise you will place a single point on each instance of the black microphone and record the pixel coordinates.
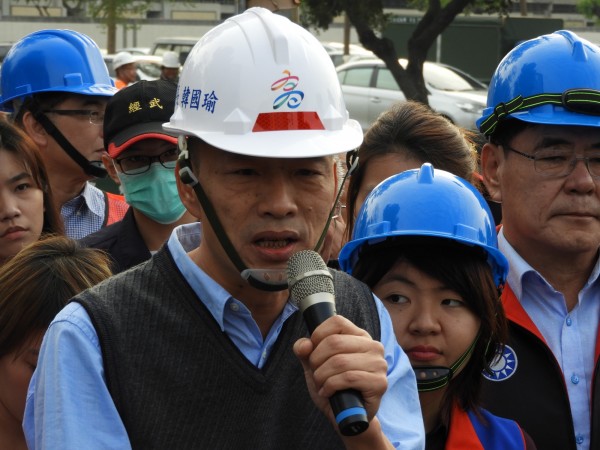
(311, 287)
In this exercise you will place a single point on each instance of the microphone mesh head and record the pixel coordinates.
(301, 263)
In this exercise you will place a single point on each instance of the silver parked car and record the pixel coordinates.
(370, 89)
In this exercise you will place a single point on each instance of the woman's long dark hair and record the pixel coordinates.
(14, 141)
(416, 131)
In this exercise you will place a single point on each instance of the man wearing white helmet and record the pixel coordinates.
(169, 68)
(201, 347)
(125, 69)
(542, 162)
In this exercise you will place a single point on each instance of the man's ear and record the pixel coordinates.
(35, 130)
(188, 196)
(492, 161)
(110, 168)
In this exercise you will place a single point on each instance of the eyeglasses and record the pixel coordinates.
(95, 117)
(560, 162)
(133, 165)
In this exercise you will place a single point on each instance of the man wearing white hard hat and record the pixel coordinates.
(169, 68)
(203, 346)
(125, 69)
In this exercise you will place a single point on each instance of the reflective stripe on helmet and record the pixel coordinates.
(552, 79)
(280, 121)
(261, 85)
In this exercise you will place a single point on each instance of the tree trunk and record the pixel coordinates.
(111, 26)
(410, 81)
(523, 7)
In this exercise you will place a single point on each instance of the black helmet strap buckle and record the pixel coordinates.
(431, 378)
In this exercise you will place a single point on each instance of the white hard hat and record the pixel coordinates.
(121, 59)
(261, 85)
(170, 60)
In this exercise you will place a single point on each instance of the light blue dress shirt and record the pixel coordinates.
(84, 214)
(70, 407)
(571, 335)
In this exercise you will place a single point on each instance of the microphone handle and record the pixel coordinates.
(347, 405)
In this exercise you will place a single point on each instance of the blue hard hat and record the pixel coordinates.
(426, 202)
(54, 61)
(552, 79)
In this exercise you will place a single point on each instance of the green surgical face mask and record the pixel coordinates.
(154, 193)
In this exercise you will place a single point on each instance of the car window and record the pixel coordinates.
(358, 76)
(337, 58)
(445, 79)
(385, 80)
(159, 49)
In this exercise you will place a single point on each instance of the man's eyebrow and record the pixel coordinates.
(552, 140)
(556, 140)
(94, 102)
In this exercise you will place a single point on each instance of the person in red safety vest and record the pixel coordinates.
(542, 163)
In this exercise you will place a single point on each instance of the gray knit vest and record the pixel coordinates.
(179, 382)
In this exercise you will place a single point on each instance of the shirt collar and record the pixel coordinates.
(94, 199)
(183, 239)
(519, 268)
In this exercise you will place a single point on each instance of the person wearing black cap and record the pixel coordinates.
(141, 160)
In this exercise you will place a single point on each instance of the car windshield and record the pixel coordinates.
(446, 79)
(442, 78)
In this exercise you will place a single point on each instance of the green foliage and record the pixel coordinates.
(500, 7)
(320, 13)
(118, 9)
(590, 9)
(369, 20)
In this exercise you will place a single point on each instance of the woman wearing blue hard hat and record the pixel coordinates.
(425, 243)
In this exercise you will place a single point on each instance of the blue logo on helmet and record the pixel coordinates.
(504, 365)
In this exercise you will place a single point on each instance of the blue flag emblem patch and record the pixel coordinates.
(504, 365)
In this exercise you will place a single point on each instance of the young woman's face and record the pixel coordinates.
(16, 369)
(433, 324)
(21, 206)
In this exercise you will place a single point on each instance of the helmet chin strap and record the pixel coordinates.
(352, 164)
(92, 168)
(432, 378)
(271, 280)
(263, 279)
